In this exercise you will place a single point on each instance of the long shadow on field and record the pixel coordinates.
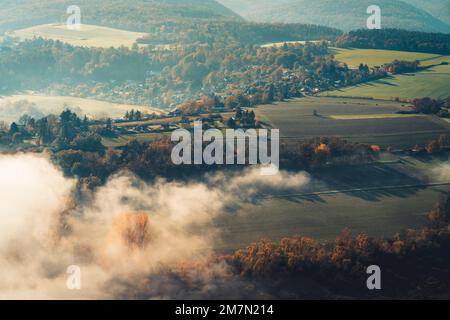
(386, 83)
(315, 198)
(377, 195)
(368, 182)
(369, 195)
(373, 182)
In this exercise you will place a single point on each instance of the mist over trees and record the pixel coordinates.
(165, 78)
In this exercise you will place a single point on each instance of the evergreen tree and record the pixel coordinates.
(14, 128)
(231, 123)
(44, 133)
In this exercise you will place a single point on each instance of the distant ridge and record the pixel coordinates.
(342, 14)
(438, 8)
(134, 15)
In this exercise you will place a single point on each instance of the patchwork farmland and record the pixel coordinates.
(365, 121)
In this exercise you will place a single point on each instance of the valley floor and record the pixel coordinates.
(47, 104)
(357, 120)
(380, 200)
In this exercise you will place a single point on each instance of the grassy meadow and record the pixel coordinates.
(56, 104)
(433, 82)
(354, 57)
(88, 35)
(122, 140)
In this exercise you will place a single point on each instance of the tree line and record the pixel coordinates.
(413, 262)
(395, 39)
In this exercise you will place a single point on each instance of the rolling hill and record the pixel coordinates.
(135, 15)
(342, 14)
(438, 8)
(433, 82)
(87, 35)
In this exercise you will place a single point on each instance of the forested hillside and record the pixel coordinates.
(342, 14)
(393, 39)
(138, 15)
(174, 77)
(438, 8)
(246, 33)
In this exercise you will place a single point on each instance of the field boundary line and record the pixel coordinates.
(372, 135)
(330, 192)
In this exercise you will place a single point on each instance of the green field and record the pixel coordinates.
(87, 35)
(433, 82)
(55, 104)
(359, 120)
(124, 139)
(354, 57)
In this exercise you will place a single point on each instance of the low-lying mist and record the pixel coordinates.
(442, 171)
(130, 238)
(11, 110)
